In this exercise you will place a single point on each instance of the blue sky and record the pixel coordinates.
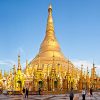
(23, 25)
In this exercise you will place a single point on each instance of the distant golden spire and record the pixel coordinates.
(14, 69)
(87, 76)
(19, 65)
(87, 70)
(26, 63)
(81, 71)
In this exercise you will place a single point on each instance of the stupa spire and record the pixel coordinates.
(50, 26)
(14, 69)
(19, 65)
(26, 63)
(87, 70)
(50, 42)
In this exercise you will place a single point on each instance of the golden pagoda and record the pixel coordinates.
(50, 69)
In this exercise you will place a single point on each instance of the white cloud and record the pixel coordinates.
(8, 62)
(86, 64)
(6, 65)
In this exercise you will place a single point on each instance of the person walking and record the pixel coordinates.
(39, 91)
(83, 94)
(26, 93)
(71, 94)
(91, 94)
(23, 91)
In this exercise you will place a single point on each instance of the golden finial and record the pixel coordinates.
(50, 9)
(18, 59)
(50, 6)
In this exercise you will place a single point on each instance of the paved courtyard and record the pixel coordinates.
(96, 96)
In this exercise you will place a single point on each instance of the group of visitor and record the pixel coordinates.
(71, 95)
(83, 93)
(26, 92)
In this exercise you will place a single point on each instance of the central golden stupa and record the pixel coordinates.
(50, 70)
(49, 47)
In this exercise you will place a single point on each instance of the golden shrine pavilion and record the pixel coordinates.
(49, 70)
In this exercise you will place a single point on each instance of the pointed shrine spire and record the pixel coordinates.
(14, 69)
(19, 65)
(81, 74)
(93, 64)
(26, 63)
(87, 70)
